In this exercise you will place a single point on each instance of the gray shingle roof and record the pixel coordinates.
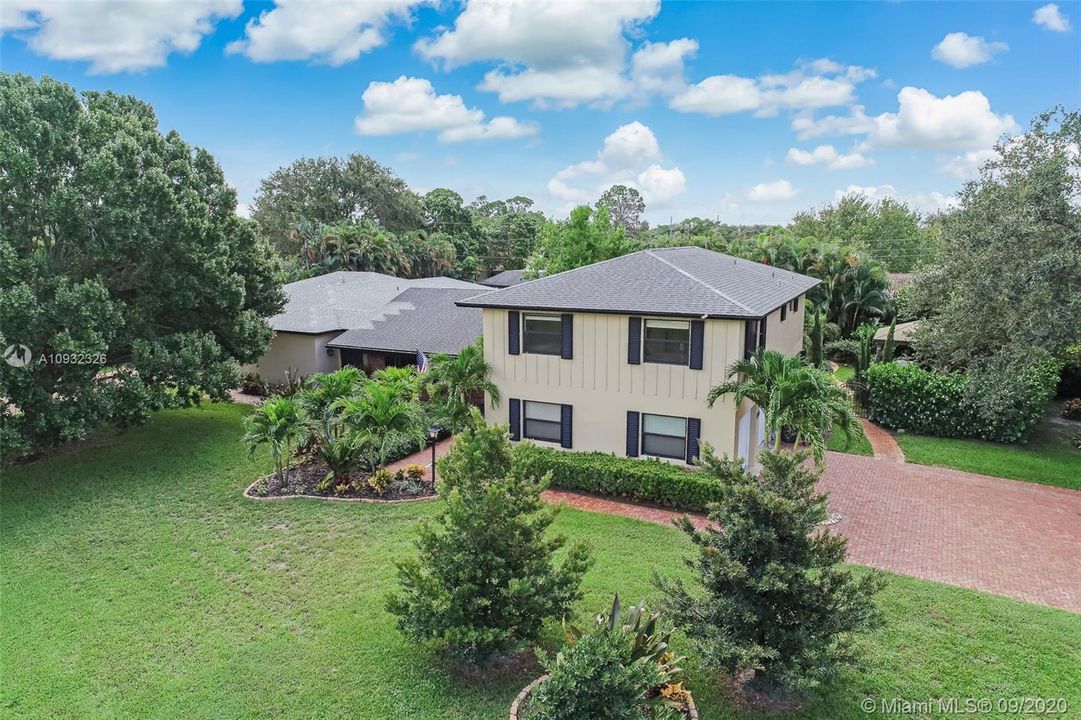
(347, 300)
(420, 318)
(503, 279)
(684, 281)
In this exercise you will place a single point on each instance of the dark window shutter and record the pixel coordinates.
(784, 312)
(632, 433)
(762, 333)
(750, 338)
(694, 431)
(565, 428)
(795, 305)
(514, 329)
(634, 341)
(698, 331)
(515, 419)
(566, 329)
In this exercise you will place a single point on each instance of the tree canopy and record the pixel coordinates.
(586, 237)
(120, 247)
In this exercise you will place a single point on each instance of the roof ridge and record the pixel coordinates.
(699, 281)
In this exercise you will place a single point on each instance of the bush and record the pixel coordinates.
(380, 481)
(1002, 409)
(1072, 409)
(487, 578)
(614, 672)
(647, 480)
(770, 593)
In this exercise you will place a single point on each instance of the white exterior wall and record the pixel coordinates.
(304, 353)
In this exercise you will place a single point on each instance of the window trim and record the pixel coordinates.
(642, 437)
(645, 331)
(557, 319)
(558, 423)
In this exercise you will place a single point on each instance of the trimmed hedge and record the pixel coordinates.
(647, 480)
(906, 397)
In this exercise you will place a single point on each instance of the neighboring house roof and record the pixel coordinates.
(424, 319)
(504, 279)
(346, 300)
(681, 281)
(902, 334)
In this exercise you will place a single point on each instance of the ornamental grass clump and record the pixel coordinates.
(485, 578)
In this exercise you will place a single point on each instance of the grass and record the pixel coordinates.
(844, 372)
(1048, 458)
(137, 582)
(855, 445)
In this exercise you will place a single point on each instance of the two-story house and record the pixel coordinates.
(619, 356)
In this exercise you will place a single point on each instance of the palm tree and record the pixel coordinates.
(404, 381)
(863, 294)
(379, 420)
(277, 423)
(324, 389)
(455, 380)
(791, 394)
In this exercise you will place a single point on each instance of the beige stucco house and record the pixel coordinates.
(619, 356)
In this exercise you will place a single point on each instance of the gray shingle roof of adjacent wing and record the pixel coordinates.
(347, 300)
(419, 318)
(686, 281)
(503, 279)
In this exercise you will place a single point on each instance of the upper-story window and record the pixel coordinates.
(541, 334)
(667, 341)
(754, 337)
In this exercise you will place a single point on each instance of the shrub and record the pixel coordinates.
(486, 578)
(772, 594)
(614, 672)
(1072, 409)
(647, 480)
(380, 481)
(414, 471)
(906, 397)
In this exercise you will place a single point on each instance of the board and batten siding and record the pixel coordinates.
(602, 386)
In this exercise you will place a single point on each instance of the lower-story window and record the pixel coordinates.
(542, 421)
(664, 436)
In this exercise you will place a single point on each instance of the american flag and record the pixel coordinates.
(422, 362)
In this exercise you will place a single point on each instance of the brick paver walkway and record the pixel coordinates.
(882, 443)
(424, 457)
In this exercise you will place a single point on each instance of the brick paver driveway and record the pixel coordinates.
(1004, 536)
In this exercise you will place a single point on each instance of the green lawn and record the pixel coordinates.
(1048, 458)
(856, 445)
(844, 373)
(136, 582)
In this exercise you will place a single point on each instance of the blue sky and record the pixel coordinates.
(747, 112)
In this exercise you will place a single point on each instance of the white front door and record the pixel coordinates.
(744, 438)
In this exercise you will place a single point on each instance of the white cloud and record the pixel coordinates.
(771, 192)
(630, 156)
(551, 51)
(921, 201)
(964, 121)
(114, 35)
(968, 164)
(329, 32)
(812, 84)
(828, 156)
(962, 50)
(411, 105)
(658, 67)
(1049, 16)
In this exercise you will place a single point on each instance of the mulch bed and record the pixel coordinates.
(303, 480)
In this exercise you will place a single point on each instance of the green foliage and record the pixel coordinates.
(586, 237)
(480, 450)
(486, 578)
(120, 245)
(323, 390)
(907, 397)
(1007, 282)
(773, 594)
(625, 207)
(453, 383)
(276, 423)
(379, 421)
(865, 347)
(380, 481)
(887, 347)
(332, 443)
(616, 671)
(818, 357)
(403, 382)
(646, 480)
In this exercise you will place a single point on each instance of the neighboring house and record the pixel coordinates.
(903, 334)
(318, 310)
(619, 356)
(503, 279)
(420, 319)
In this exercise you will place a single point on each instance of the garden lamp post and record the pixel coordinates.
(433, 435)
